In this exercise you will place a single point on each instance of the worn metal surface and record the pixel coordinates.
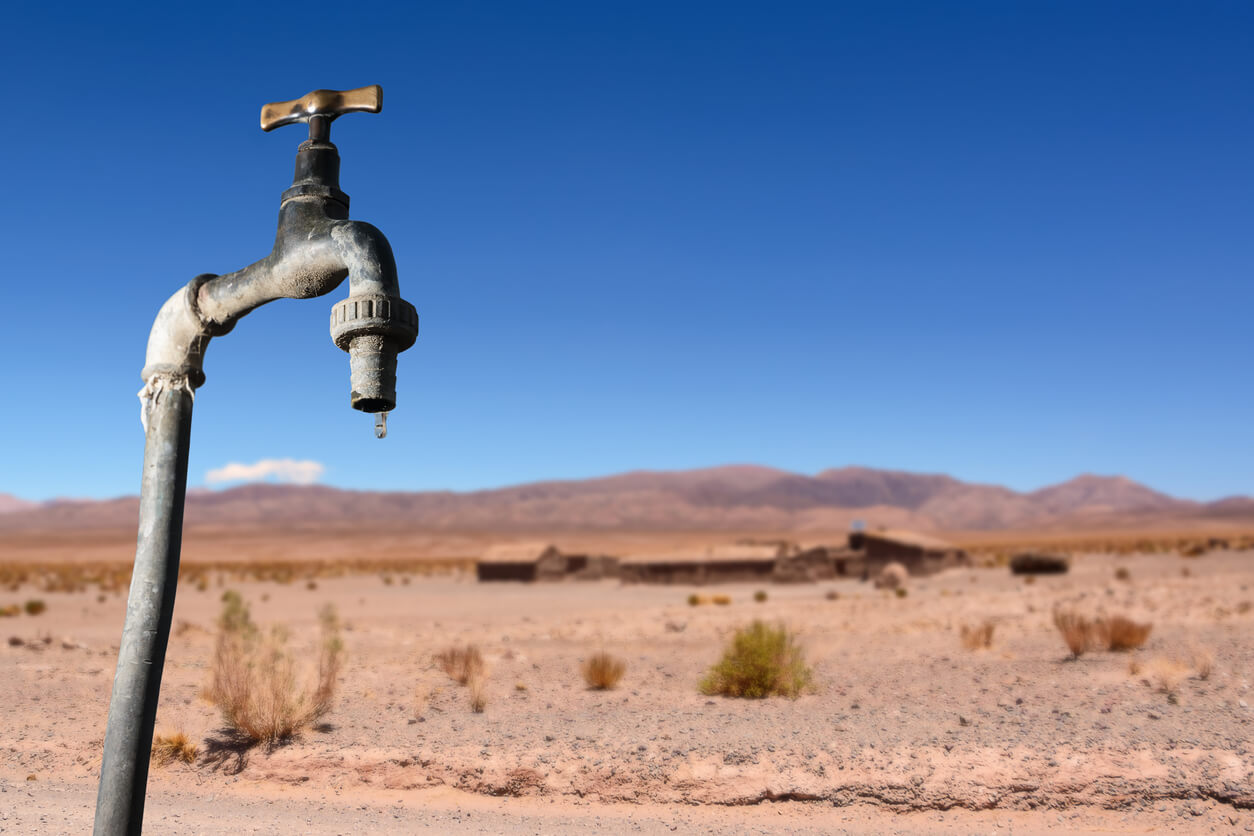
(149, 608)
(325, 103)
(315, 249)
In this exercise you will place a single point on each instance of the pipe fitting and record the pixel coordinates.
(373, 328)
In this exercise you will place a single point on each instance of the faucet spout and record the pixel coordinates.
(315, 249)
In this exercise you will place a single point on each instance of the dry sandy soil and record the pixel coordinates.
(905, 731)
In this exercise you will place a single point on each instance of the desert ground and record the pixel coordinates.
(904, 729)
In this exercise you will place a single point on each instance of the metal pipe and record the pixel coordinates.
(316, 248)
(149, 609)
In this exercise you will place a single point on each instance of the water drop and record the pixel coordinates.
(380, 425)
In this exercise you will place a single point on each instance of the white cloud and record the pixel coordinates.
(277, 470)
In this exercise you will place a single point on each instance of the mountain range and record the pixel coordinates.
(731, 498)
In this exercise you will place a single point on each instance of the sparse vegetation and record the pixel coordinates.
(1203, 661)
(979, 636)
(1111, 632)
(901, 592)
(1122, 574)
(462, 664)
(1166, 675)
(478, 691)
(254, 678)
(602, 671)
(1120, 633)
(1077, 631)
(832, 595)
(892, 576)
(695, 600)
(34, 606)
(760, 596)
(721, 600)
(175, 746)
(10, 611)
(761, 661)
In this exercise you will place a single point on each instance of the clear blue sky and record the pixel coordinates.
(1007, 241)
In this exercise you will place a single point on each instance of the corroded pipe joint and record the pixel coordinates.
(373, 329)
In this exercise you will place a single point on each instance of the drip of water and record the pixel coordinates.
(380, 425)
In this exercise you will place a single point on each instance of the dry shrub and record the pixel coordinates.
(760, 596)
(1122, 574)
(1077, 631)
(1167, 674)
(901, 592)
(462, 664)
(1120, 633)
(1202, 660)
(695, 600)
(10, 611)
(254, 681)
(1193, 550)
(979, 636)
(892, 576)
(721, 600)
(478, 691)
(761, 661)
(34, 606)
(832, 595)
(602, 671)
(168, 748)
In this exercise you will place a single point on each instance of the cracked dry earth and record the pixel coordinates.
(905, 731)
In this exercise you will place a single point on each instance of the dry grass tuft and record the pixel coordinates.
(1112, 632)
(478, 691)
(1167, 674)
(760, 596)
(978, 637)
(34, 606)
(1120, 633)
(1077, 631)
(695, 600)
(1202, 660)
(254, 681)
(1122, 574)
(761, 661)
(462, 664)
(168, 748)
(832, 595)
(602, 671)
(721, 600)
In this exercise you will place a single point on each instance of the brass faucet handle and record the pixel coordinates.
(326, 103)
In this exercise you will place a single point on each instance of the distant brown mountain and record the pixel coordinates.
(9, 503)
(733, 498)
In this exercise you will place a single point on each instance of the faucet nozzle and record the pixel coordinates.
(373, 329)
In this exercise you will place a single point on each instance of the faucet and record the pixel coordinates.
(315, 249)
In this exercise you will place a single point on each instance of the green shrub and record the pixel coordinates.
(762, 661)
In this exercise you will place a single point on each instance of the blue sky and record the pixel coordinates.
(1006, 241)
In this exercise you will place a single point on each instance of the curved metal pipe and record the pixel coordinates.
(316, 248)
